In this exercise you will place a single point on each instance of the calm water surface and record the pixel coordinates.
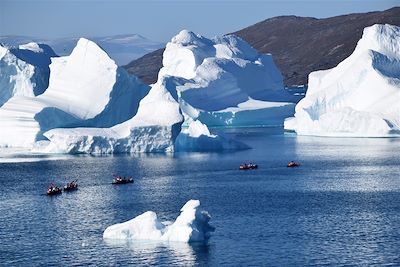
(341, 207)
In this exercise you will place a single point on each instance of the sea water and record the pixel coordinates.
(340, 207)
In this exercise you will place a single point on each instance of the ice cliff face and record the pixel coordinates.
(360, 96)
(86, 88)
(24, 70)
(215, 75)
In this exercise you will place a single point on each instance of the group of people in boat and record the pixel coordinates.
(71, 186)
(293, 164)
(248, 166)
(251, 166)
(54, 189)
(122, 180)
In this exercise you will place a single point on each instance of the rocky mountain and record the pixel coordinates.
(299, 45)
(147, 67)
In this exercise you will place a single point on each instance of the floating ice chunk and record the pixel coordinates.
(192, 225)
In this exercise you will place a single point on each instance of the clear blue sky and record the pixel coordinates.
(159, 20)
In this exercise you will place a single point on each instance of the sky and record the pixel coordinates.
(159, 20)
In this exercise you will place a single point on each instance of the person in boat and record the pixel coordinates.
(292, 164)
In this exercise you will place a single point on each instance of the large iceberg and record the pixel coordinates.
(92, 106)
(191, 85)
(360, 96)
(224, 81)
(86, 88)
(153, 129)
(24, 70)
(192, 225)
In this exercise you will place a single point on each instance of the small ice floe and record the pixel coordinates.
(192, 225)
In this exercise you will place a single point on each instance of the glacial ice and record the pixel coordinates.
(86, 88)
(24, 70)
(157, 125)
(92, 106)
(154, 128)
(192, 225)
(224, 81)
(360, 96)
(249, 113)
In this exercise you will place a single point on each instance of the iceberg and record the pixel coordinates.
(154, 128)
(24, 70)
(157, 125)
(249, 113)
(86, 88)
(224, 81)
(93, 106)
(360, 97)
(192, 225)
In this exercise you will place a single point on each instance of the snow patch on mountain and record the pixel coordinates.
(121, 48)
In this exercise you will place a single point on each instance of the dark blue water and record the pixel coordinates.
(341, 207)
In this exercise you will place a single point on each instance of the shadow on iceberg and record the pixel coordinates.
(197, 138)
(39, 56)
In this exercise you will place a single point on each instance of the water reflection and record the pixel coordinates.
(153, 252)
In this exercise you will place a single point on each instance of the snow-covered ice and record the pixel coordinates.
(192, 225)
(249, 113)
(86, 88)
(360, 96)
(221, 79)
(93, 106)
(24, 70)
(154, 128)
